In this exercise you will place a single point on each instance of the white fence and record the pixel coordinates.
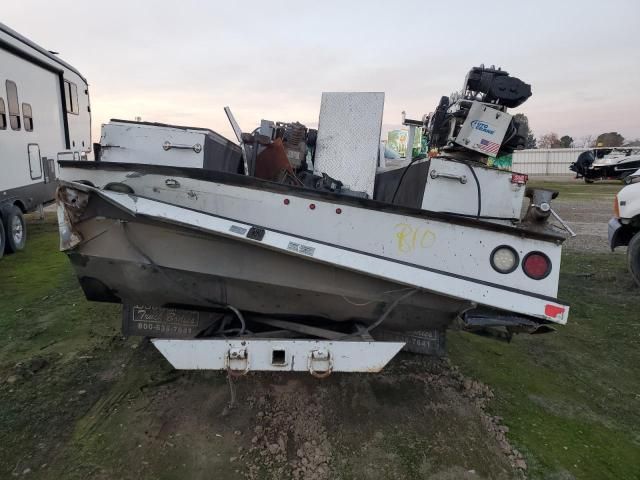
(546, 161)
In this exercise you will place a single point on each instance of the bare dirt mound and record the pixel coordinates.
(397, 424)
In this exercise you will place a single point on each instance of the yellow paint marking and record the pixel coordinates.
(409, 238)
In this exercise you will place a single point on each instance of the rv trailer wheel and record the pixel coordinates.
(15, 229)
(633, 255)
(2, 239)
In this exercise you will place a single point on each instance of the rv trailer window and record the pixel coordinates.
(14, 107)
(3, 115)
(74, 99)
(71, 94)
(67, 96)
(28, 117)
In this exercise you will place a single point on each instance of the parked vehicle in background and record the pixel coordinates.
(624, 227)
(45, 116)
(607, 164)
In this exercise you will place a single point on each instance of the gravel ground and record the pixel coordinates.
(303, 430)
(588, 218)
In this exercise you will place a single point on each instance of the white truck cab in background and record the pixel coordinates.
(624, 227)
(45, 116)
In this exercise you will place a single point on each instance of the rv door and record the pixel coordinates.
(35, 162)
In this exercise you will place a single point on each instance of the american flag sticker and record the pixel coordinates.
(489, 147)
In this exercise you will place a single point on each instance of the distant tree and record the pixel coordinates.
(531, 141)
(588, 141)
(525, 130)
(549, 140)
(566, 141)
(611, 139)
(523, 121)
(633, 143)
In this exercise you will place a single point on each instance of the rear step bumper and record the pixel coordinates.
(318, 357)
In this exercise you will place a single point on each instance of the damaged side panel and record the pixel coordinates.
(70, 206)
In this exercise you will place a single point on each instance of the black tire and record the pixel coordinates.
(588, 180)
(633, 256)
(627, 180)
(2, 239)
(15, 229)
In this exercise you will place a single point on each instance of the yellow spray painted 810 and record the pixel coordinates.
(409, 238)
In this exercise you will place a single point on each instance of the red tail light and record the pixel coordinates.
(536, 265)
(519, 178)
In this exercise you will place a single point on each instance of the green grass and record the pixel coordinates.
(43, 310)
(572, 398)
(53, 344)
(578, 189)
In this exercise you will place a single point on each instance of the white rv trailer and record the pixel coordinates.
(45, 116)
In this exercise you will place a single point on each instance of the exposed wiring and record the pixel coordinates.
(406, 169)
(481, 217)
(356, 304)
(240, 317)
(513, 134)
(232, 393)
(382, 317)
(388, 310)
(194, 295)
(364, 304)
(475, 177)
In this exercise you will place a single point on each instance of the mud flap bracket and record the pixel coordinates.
(320, 364)
(237, 361)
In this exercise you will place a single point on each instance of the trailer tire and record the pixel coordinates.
(15, 229)
(2, 239)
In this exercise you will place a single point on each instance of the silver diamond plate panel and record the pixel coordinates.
(349, 138)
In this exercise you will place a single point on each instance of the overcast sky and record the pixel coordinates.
(183, 61)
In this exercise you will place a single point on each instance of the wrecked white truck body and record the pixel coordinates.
(266, 260)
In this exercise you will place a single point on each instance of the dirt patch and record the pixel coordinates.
(290, 438)
(77, 401)
(398, 424)
(419, 419)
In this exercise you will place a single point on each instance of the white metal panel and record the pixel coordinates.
(499, 197)
(39, 87)
(349, 138)
(630, 195)
(140, 143)
(343, 356)
(441, 282)
(484, 129)
(546, 161)
(80, 123)
(433, 243)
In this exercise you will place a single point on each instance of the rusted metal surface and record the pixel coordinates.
(70, 205)
(272, 163)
